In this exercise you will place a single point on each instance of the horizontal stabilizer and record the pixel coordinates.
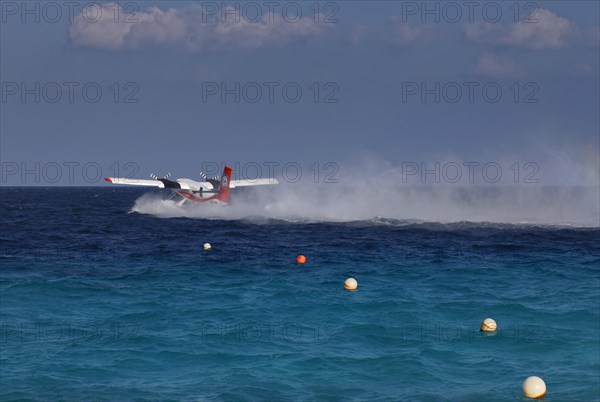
(252, 182)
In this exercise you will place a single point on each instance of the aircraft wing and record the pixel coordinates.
(136, 182)
(185, 184)
(252, 182)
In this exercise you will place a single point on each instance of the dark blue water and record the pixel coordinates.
(98, 303)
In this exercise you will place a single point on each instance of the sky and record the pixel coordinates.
(324, 89)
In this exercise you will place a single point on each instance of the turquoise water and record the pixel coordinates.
(98, 303)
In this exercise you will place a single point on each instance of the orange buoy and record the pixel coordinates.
(301, 259)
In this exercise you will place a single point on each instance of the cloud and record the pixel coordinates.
(482, 32)
(358, 33)
(188, 29)
(394, 32)
(492, 65)
(403, 34)
(546, 31)
(583, 69)
(592, 36)
(549, 32)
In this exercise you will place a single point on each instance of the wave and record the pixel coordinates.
(460, 207)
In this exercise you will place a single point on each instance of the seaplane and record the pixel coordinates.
(213, 190)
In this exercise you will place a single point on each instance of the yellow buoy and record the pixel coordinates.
(350, 284)
(534, 387)
(488, 325)
(207, 246)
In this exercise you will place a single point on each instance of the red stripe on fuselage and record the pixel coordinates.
(192, 197)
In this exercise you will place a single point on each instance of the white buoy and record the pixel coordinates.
(207, 246)
(488, 325)
(350, 284)
(534, 387)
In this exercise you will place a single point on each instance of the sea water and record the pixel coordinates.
(99, 301)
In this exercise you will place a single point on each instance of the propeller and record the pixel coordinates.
(155, 177)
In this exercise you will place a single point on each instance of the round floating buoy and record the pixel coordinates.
(207, 246)
(534, 387)
(488, 325)
(300, 259)
(350, 284)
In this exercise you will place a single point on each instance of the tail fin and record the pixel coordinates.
(223, 194)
